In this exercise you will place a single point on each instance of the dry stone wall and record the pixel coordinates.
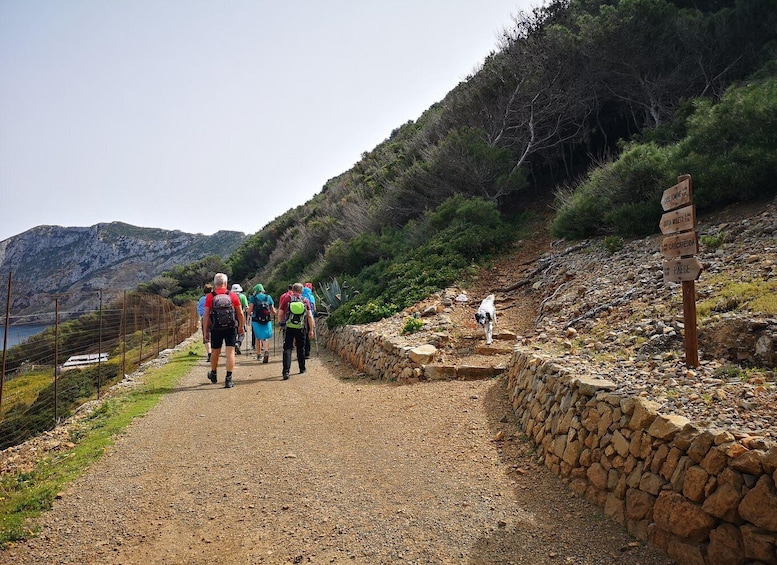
(703, 496)
(379, 356)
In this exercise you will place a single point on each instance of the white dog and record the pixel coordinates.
(486, 316)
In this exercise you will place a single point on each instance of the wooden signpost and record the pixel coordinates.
(680, 248)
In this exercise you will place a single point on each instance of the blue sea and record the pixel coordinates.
(17, 334)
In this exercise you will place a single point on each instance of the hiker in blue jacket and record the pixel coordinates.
(307, 292)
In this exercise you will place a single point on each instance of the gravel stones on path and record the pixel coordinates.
(324, 468)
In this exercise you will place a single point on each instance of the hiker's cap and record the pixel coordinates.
(258, 288)
(237, 288)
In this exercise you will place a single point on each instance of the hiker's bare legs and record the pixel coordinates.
(230, 354)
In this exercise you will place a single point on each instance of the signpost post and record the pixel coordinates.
(680, 248)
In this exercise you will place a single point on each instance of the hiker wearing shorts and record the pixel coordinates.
(222, 327)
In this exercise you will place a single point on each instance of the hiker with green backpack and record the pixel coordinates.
(296, 316)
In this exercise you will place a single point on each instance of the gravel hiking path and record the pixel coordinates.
(324, 468)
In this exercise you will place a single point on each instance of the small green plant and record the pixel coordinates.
(729, 372)
(412, 325)
(613, 243)
(713, 241)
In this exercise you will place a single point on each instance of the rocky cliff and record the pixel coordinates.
(76, 262)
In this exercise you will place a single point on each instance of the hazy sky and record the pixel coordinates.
(143, 111)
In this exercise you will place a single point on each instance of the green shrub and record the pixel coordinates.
(731, 148)
(635, 219)
(622, 197)
(372, 311)
(428, 255)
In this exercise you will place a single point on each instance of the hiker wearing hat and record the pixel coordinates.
(237, 289)
(262, 312)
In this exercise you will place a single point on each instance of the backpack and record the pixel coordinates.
(222, 312)
(296, 319)
(261, 313)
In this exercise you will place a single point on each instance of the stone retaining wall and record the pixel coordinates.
(699, 495)
(702, 496)
(374, 354)
(392, 358)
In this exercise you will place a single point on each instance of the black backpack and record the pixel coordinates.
(222, 312)
(261, 313)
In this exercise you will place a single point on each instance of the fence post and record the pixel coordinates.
(124, 334)
(56, 354)
(158, 330)
(166, 318)
(100, 345)
(142, 308)
(5, 336)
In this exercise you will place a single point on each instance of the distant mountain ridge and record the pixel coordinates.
(70, 261)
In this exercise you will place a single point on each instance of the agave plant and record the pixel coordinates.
(333, 295)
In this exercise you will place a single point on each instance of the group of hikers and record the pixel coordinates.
(224, 315)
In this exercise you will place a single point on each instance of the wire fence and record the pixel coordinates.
(57, 358)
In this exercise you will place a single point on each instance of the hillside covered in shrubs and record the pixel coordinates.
(587, 108)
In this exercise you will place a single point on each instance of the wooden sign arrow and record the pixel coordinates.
(683, 219)
(687, 269)
(680, 245)
(678, 195)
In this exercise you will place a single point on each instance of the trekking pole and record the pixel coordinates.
(315, 336)
(274, 319)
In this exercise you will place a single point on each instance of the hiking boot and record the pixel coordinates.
(228, 382)
(302, 371)
(266, 358)
(212, 376)
(285, 376)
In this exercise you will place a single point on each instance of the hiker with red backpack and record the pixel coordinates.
(223, 323)
(261, 309)
(296, 316)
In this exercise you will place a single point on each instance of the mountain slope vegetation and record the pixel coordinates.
(593, 106)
